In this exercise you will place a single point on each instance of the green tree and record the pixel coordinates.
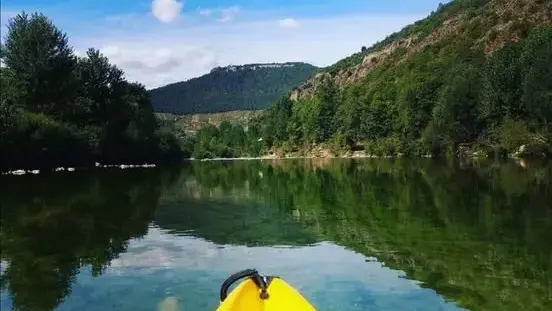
(456, 114)
(327, 97)
(348, 118)
(41, 64)
(415, 105)
(276, 118)
(256, 145)
(379, 112)
(503, 82)
(206, 142)
(536, 60)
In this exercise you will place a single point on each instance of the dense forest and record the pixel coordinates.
(473, 77)
(247, 87)
(60, 109)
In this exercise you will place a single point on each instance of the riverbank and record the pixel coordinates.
(20, 172)
(462, 151)
(278, 154)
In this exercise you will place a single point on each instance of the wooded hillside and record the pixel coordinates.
(247, 87)
(474, 73)
(473, 78)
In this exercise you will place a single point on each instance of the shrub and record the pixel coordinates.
(512, 134)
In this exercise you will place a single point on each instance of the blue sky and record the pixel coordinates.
(162, 41)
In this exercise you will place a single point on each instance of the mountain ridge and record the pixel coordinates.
(254, 66)
(230, 88)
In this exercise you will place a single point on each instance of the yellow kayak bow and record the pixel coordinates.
(260, 293)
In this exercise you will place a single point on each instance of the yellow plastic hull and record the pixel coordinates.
(282, 297)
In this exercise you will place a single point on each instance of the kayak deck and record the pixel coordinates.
(281, 296)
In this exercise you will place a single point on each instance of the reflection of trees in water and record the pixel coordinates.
(54, 225)
(478, 234)
(220, 213)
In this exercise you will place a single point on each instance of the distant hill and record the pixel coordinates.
(246, 87)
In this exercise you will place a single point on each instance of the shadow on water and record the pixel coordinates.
(478, 235)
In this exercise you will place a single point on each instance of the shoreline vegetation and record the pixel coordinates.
(268, 157)
(436, 93)
(60, 109)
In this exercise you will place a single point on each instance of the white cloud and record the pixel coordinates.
(228, 14)
(162, 65)
(204, 12)
(166, 11)
(288, 23)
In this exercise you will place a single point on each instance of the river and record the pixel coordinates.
(350, 235)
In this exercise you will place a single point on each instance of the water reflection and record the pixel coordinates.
(52, 226)
(190, 269)
(351, 235)
(478, 234)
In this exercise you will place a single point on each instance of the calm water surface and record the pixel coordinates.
(350, 235)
